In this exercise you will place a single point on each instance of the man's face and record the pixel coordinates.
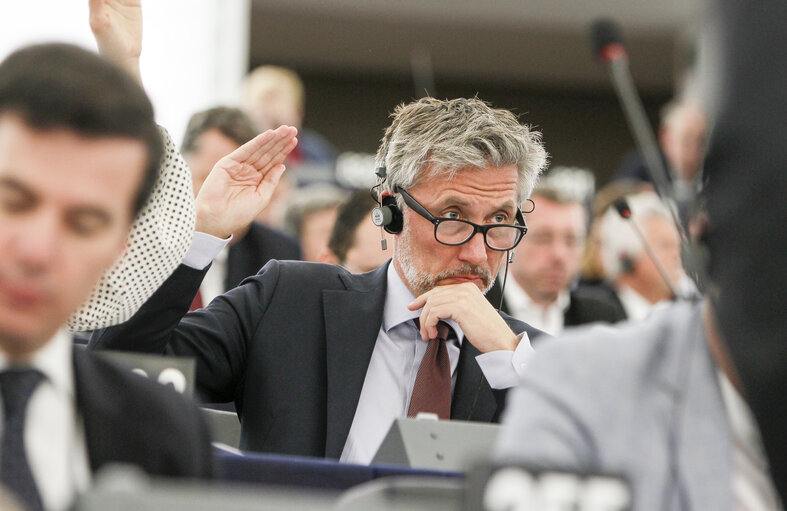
(65, 210)
(210, 147)
(366, 253)
(684, 143)
(664, 239)
(548, 258)
(316, 231)
(275, 106)
(482, 196)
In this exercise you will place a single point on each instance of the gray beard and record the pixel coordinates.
(421, 282)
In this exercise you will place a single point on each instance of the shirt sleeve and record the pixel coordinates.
(204, 248)
(503, 368)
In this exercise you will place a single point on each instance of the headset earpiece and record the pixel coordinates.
(388, 215)
(626, 264)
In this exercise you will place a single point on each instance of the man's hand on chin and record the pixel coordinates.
(241, 184)
(467, 305)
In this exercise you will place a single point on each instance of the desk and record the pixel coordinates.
(275, 469)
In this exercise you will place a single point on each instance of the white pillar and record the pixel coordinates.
(194, 54)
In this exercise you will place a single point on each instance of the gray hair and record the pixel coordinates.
(447, 135)
(618, 239)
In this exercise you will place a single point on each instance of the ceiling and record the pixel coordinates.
(540, 43)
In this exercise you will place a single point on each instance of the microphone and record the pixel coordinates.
(623, 209)
(607, 46)
(606, 41)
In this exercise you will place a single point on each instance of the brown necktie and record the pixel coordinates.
(432, 389)
(197, 302)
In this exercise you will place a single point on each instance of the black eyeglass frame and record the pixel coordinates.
(418, 208)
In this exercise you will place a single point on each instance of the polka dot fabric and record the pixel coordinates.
(158, 241)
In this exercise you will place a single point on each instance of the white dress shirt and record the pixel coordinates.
(54, 432)
(752, 484)
(550, 319)
(396, 357)
(213, 282)
(637, 307)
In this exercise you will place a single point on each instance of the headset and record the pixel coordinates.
(387, 214)
(626, 264)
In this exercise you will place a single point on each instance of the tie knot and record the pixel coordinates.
(17, 385)
(443, 329)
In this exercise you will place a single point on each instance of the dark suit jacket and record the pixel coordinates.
(130, 419)
(291, 347)
(259, 245)
(586, 306)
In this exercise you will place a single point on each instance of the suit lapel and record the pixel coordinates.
(242, 261)
(96, 409)
(352, 322)
(473, 399)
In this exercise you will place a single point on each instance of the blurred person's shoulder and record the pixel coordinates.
(611, 355)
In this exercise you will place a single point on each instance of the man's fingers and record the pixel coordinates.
(272, 176)
(262, 143)
(248, 149)
(97, 16)
(276, 153)
(280, 135)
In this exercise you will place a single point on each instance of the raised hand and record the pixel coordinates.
(117, 27)
(241, 184)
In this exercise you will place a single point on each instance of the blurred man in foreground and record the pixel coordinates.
(666, 403)
(79, 154)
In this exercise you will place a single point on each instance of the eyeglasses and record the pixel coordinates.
(453, 231)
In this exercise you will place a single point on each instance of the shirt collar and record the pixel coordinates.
(222, 256)
(517, 298)
(55, 360)
(397, 298)
(637, 306)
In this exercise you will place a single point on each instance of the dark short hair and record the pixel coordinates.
(230, 122)
(56, 85)
(351, 213)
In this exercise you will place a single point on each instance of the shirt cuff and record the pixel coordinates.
(503, 368)
(204, 248)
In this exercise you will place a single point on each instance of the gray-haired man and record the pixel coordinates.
(320, 361)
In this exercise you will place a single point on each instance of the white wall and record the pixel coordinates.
(194, 54)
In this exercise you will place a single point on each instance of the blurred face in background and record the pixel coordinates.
(548, 258)
(664, 238)
(209, 148)
(316, 231)
(683, 141)
(366, 253)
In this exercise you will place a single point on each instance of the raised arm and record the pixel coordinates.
(117, 27)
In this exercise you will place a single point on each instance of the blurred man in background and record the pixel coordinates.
(310, 215)
(638, 284)
(545, 267)
(211, 135)
(355, 240)
(275, 96)
(681, 137)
